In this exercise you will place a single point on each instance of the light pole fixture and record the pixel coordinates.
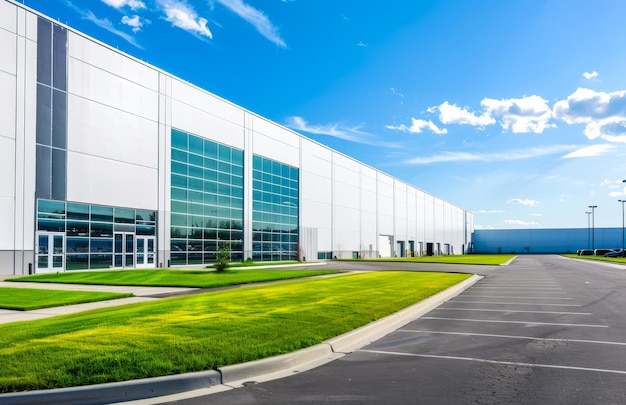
(622, 201)
(588, 227)
(593, 226)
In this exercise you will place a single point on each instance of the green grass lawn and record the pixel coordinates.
(172, 278)
(485, 259)
(27, 299)
(619, 260)
(257, 264)
(202, 331)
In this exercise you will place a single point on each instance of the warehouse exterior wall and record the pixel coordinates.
(112, 163)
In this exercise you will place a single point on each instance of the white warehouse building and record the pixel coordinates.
(108, 162)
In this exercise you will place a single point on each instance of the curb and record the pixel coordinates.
(239, 374)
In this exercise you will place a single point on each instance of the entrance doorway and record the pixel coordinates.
(124, 245)
(145, 251)
(50, 252)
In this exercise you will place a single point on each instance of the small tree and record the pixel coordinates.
(223, 258)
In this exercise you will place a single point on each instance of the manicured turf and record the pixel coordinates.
(27, 299)
(202, 331)
(172, 278)
(450, 259)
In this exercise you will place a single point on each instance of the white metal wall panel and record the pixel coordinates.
(315, 213)
(96, 180)
(400, 209)
(204, 101)
(104, 87)
(8, 50)
(271, 148)
(276, 132)
(7, 226)
(92, 53)
(100, 130)
(7, 104)
(385, 205)
(316, 159)
(7, 16)
(7, 167)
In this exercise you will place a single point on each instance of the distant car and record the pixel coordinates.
(602, 252)
(585, 252)
(614, 253)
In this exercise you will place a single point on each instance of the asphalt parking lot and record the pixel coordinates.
(543, 330)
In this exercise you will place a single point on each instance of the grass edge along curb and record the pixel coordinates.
(235, 375)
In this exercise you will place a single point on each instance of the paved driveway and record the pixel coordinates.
(543, 330)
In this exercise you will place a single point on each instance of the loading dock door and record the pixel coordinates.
(429, 249)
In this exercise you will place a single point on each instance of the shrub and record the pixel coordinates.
(223, 258)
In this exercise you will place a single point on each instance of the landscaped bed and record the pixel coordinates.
(28, 299)
(202, 331)
(172, 278)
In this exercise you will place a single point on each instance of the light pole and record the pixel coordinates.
(622, 201)
(593, 226)
(588, 227)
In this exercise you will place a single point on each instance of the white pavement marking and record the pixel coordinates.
(487, 287)
(514, 303)
(521, 298)
(514, 310)
(506, 363)
(600, 342)
(519, 322)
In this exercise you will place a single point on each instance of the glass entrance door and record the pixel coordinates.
(146, 256)
(50, 252)
(124, 256)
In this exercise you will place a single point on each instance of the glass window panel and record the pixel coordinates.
(59, 58)
(196, 145)
(101, 229)
(77, 228)
(145, 230)
(179, 139)
(101, 245)
(195, 184)
(44, 51)
(44, 115)
(179, 181)
(223, 234)
(195, 159)
(58, 174)
(77, 245)
(210, 187)
(179, 168)
(51, 207)
(44, 172)
(103, 214)
(42, 262)
(196, 197)
(179, 219)
(180, 207)
(210, 149)
(78, 211)
(237, 156)
(179, 155)
(210, 234)
(195, 233)
(223, 178)
(223, 167)
(178, 258)
(223, 189)
(124, 215)
(142, 216)
(237, 192)
(51, 225)
(237, 181)
(210, 245)
(77, 262)
(210, 163)
(179, 194)
(100, 261)
(196, 171)
(178, 232)
(257, 162)
(210, 222)
(59, 119)
(223, 153)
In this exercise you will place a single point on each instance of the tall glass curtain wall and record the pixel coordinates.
(206, 199)
(275, 202)
(92, 235)
(51, 124)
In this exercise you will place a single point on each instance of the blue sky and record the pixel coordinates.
(514, 110)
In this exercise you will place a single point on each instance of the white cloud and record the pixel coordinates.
(107, 25)
(528, 202)
(593, 150)
(134, 22)
(452, 114)
(181, 15)
(361, 44)
(255, 17)
(488, 211)
(519, 222)
(352, 134)
(604, 114)
(536, 215)
(521, 115)
(478, 226)
(591, 75)
(489, 157)
(418, 126)
(133, 4)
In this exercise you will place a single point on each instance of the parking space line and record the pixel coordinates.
(514, 310)
(599, 342)
(485, 287)
(517, 322)
(515, 303)
(498, 362)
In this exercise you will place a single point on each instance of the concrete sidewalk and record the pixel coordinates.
(175, 387)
